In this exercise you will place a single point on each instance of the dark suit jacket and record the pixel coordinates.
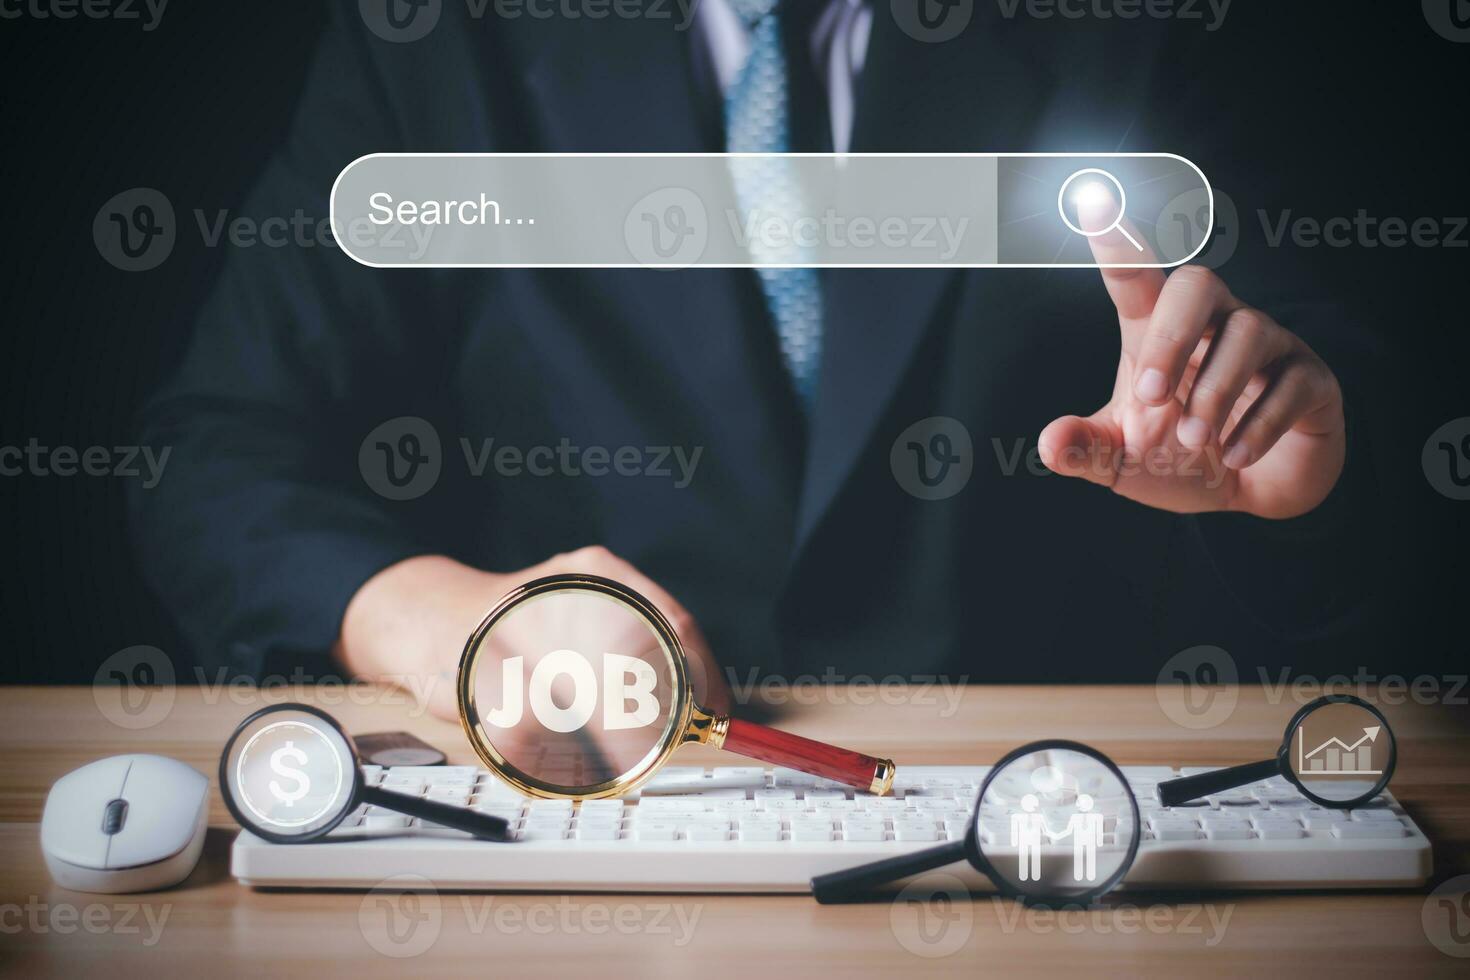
(797, 550)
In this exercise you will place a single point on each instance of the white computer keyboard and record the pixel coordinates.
(749, 829)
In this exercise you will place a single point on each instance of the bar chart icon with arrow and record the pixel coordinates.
(1336, 757)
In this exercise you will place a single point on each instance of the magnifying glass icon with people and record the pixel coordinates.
(1090, 191)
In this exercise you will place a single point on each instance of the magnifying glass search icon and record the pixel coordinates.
(1092, 191)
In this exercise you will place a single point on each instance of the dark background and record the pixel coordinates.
(1358, 106)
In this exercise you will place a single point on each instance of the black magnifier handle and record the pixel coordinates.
(481, 825)
(854, 884)
(1175, 792)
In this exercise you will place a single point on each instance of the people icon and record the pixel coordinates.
(1086, 828)
(1026, 830)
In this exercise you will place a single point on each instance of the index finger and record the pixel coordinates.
(1134, 290)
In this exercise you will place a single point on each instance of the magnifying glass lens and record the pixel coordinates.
(572, 691)
(290, 773)
(1340, 751)
(1056, 824)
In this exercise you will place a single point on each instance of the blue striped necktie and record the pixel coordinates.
(758, 120)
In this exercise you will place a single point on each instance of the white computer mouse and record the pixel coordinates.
(131, 823)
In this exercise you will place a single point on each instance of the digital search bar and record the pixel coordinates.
(739, 210)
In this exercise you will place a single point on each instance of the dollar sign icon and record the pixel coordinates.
(279, 765)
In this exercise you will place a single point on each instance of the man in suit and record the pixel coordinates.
(794, 548)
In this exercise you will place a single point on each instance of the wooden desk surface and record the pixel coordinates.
(210, 925)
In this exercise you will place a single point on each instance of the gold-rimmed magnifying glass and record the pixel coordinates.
(577, 686)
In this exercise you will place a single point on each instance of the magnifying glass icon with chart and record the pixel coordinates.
(1089, 190)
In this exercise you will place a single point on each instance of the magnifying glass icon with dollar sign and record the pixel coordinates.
(290, 774)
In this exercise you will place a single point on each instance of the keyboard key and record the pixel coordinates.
(774, 794)
(598, 831)
(860, 828)
(1234, 797)
(915, 830)
(790, 777)
(508, 814)
(707, 832)
(1272, 830)
(941, 782)
(436, 772)
(677, 774)
(403, 784)
(1228, 832)
(1176, 831)
(656, 830)
(1369, 829)
(542, 832)
(384, 821)
(763, 831)
(550, 806)
(601, 806)
(1372, 814)
(804, 831)
(814, 818)
(672, 804)
(755, 775)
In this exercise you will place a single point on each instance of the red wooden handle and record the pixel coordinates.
(784, 749)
